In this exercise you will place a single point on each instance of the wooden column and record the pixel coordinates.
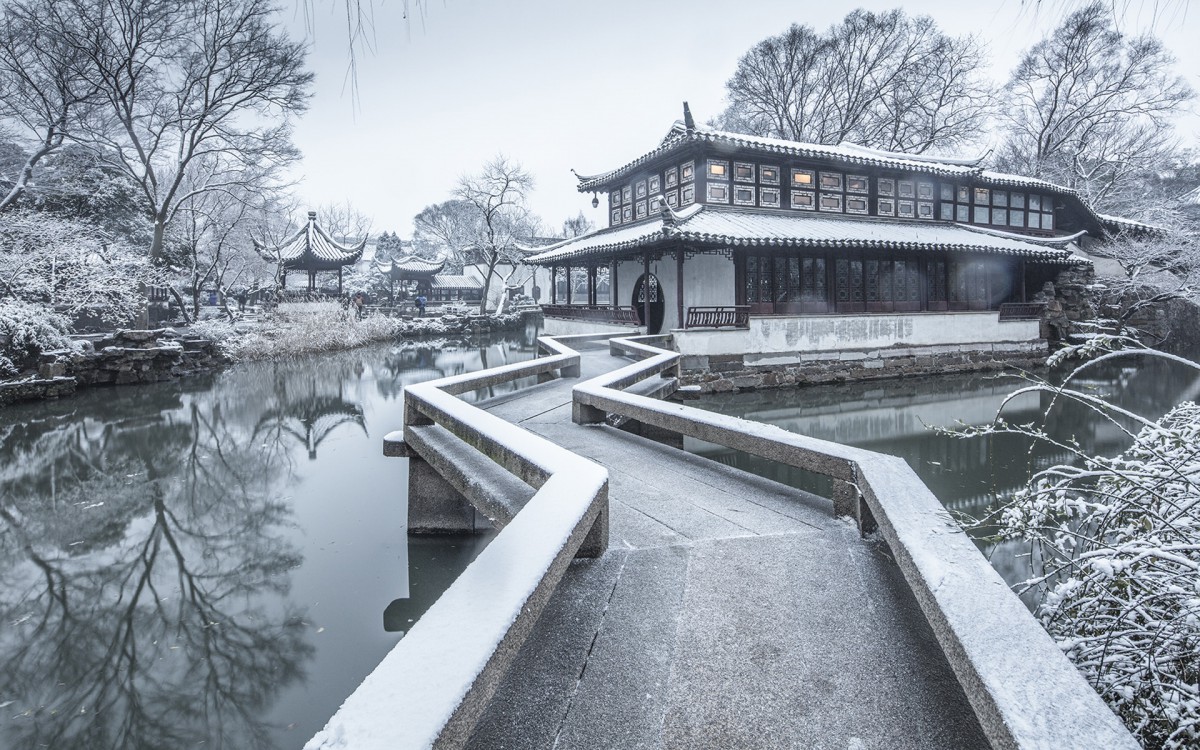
(681, 323)
(554, 285)
(612, 285)
(646, 290)
(339, 281)
(569, 284)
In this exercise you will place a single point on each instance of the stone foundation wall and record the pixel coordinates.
(717, 373)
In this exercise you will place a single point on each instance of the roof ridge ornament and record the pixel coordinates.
(688, 122)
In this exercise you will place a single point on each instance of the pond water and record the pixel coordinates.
(968, 475)
(216, 562)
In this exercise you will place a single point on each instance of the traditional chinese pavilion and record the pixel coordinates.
(768, 245)
(411, 269)
(313, 251)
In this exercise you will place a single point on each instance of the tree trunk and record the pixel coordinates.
(487, 282)
(179, 301)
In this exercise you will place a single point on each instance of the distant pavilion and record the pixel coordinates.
(410, 268)
(312, 250)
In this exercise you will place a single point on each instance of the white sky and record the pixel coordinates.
(562, 84)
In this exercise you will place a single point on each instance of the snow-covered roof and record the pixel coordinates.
(411, 266)
(680, 137)
(311, 249)
(1118, 224)
(735, 227)
(451, 281)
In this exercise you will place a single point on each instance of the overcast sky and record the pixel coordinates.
(559, 84)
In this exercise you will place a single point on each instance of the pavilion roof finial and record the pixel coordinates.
(312, 215)
(688, 122)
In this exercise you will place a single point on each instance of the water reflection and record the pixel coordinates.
(967, 475)
(206, 562)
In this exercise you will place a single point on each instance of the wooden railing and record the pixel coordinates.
(1023, 690)
(735, 316)
(599, 313)
(1022, 310)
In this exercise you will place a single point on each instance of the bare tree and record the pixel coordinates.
(446, 229)
(343, 222)
(198, 95)
(881, 80)
(577, 226)
(1089, 108)
(47, 85)
(497, 197)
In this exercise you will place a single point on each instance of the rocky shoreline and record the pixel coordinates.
(151, 356)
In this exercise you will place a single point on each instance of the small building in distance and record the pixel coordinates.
(761, 254)
(313, 251)
(410, 271)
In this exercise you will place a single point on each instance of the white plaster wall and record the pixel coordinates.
(564, 327)
(815, 333)
(708, 281)
(628, 272)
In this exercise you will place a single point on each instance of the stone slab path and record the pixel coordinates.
(729, 612)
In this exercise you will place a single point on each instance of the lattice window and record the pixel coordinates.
(856, 204)
(885, 206)
(804, 178)
(654, 186)
(718, 170)
(857, 184)
(768, 175)
(671, 176)
(768, 197)
(905, 209)
(886, 186)
(743, 171)
(831, 202)
(804, 200)
(831, 181)
(743, 195)
(718, 193)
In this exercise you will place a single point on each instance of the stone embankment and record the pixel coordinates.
(722, 373)
(116, 359)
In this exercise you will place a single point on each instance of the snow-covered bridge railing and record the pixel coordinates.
(430, 690)
(1023, 690)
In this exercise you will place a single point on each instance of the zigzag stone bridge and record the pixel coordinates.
(640, 596)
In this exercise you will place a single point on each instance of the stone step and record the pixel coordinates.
(484, 483)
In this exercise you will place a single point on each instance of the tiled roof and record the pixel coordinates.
(1118, 224)
(730, 227)
(848, 153)
(449, 281)
(311, 249)
(411, 265)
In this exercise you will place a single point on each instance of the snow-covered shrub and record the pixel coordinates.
(1115, 545)
(309, 327)
(27, 330)
(71, 266)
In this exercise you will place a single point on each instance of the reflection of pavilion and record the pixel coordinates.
(313, 251)
(310, 417)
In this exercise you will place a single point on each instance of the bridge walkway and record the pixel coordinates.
(729, 612)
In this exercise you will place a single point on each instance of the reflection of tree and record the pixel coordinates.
(430, 359)
(143, 607)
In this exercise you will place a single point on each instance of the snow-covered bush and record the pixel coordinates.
(70, 266)
(27, 330)
(1115, 548)
(304, 327)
